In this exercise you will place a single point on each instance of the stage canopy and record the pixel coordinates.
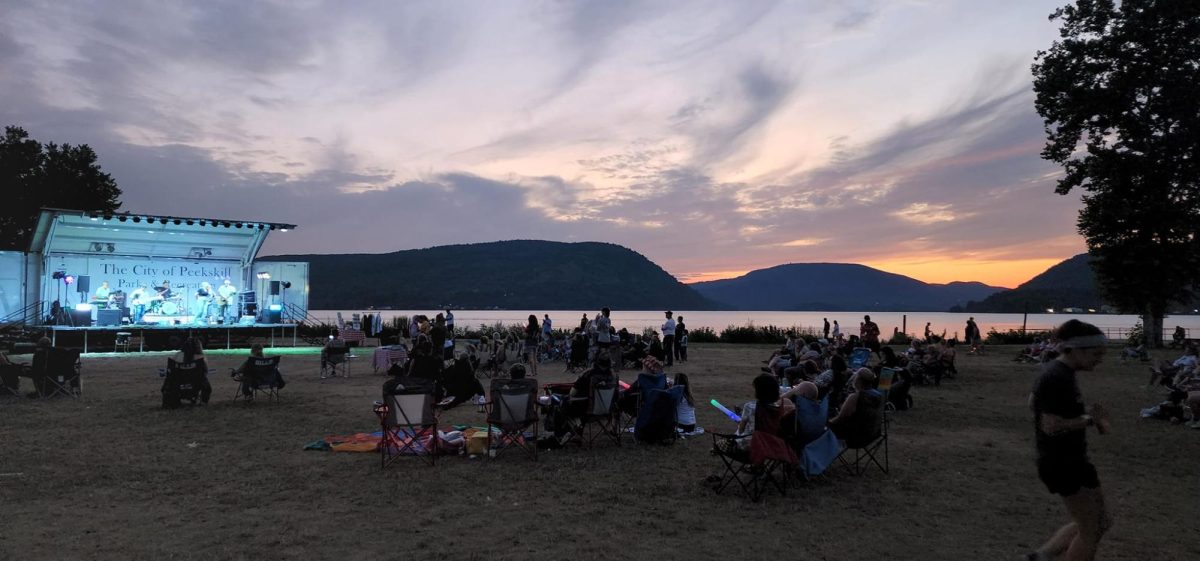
(74, 232)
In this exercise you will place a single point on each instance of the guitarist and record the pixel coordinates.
(226, 295)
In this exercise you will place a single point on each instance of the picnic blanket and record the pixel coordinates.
(370, 441)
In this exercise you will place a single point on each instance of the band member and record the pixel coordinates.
(102, 293)
(138, 299)
(164, 291)
(204, 299)
(227, 299)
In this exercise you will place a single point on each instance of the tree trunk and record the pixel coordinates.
(1152, 326)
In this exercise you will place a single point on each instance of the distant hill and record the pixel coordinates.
(519, 274)
(1070, 284)
(838, 286)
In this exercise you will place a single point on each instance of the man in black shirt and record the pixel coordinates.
(1060, 421)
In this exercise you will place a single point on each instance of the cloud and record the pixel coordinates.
(926, 213)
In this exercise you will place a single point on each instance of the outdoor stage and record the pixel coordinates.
(106, 337)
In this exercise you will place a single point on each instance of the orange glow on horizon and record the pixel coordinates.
(1006, 274)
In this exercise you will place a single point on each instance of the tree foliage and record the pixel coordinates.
(36, 175)
(1117, 92)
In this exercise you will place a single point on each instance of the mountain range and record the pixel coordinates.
(1071, 283)
(838, 286)
(517, 274)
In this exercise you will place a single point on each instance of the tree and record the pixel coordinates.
(34, 175)
(1117, 92)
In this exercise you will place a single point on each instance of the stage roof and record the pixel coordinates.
(143, 235)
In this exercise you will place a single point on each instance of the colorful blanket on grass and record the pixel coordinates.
(370, 441)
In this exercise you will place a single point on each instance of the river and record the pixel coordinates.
(636, 320)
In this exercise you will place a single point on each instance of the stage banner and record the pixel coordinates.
(127, 273)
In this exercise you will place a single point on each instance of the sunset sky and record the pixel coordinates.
(712, 137)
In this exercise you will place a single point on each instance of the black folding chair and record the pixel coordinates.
(183, 381)
(409, 418)
(602, 416)
(57, 371)
(866, 450)
(755, 468)
(511, 409)
(258, 375)
(334, 363)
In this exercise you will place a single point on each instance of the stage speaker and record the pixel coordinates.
(274, 288)
(272, 316)
(108, 317)
(81, 318)
(246, 320)
(83, 283)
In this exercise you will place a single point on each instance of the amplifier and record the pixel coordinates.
(108, 317)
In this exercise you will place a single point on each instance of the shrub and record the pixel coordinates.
(899, 339)
(1014, 337)
(703, 335)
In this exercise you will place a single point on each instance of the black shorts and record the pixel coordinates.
(873, 345)
(1067, 477)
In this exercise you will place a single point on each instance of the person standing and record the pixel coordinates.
(837, 330)
(532, 333)
(227, 294)
(547, 329)
(680, 333)
(869, 332)
(928, 332)
(438, 336)
(603, 329)
(825, 329)
(583, 323)
(1060, 423)
(668, 335)
(450, 323)
(974, 337)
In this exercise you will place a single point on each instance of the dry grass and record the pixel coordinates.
(113, 477)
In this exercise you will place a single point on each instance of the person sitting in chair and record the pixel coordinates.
(192, 351)
(335, 342)
(256, 352)
(858, 417)
(765, 412)
(575, 405)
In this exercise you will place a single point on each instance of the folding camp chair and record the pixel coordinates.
(260, 375)
(57, 371)
(886, 377)
(409, 418)
(757, 469)
(859, 358)
(511, 409)
(817, 446)
(334, 361)
(10, 379)
(601, 416)
(866, 450)
(183, 381)
(630, 402)
(657, 415)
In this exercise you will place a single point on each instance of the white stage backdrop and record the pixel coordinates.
(127, 273)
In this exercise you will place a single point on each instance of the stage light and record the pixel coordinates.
(123, 218)
(58, 275)
(111, 248)
(163, 221)
(283, 229)
(271, 227)
(69, 279)
(275, 307)
(261, 227)
(178, 221)
(94, 217)
(137, 219)
(204, 223)
(285, 284)
(225, 224)
(190, 222)
(108, 217)
(83, 307)
(239, 224)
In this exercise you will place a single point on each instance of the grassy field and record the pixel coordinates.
(115, 477)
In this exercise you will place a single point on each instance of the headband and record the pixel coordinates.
(1085, 341)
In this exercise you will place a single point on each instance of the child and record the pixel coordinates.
(685, 413)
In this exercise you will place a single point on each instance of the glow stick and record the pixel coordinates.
(624, 386)
(726, 411)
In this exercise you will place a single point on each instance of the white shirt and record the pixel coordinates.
(226, 290)
(668, 328)
(685, 413)
(837, 330)
(602, 325)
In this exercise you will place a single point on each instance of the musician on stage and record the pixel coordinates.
(138, 299)
(204, 296)
(164, 291)
(102, 293)
(227, 295)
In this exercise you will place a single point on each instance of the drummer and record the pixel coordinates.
(164, 291)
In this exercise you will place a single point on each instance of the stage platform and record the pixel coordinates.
(140, 334)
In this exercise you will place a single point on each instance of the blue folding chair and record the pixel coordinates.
(819, 448)
(859, 358)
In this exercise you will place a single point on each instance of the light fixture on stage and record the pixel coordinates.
(69, 279)
(225, 224)
(58, 275)
(190, 222)
(204, 223)
(123, 218)
(108, 217)
(239, 224)
(263, 275)
(83, 307)
(285, 284)
(275, 307)
(177, 221)
(200, 252)
(111, 247)
(283, 229)
(137, 219)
